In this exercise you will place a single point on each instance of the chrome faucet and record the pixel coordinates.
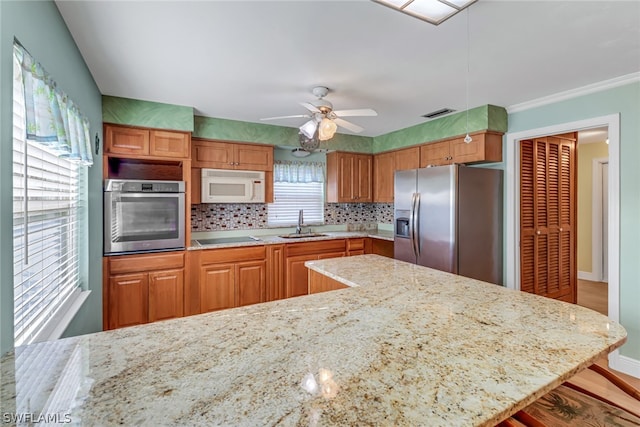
(300, 222)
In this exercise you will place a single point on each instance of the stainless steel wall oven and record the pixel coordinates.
(143, 216)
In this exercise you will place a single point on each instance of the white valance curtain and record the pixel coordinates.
(52, 119)
(297, 171)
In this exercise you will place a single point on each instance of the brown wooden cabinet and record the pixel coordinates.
(166, 294)
(134, 142)
(227, 155)
(484, 147)
(321, 283)
(296, 254)
(383, 170)
(349, 177)
(143, 288)
(381, 247)
(356, 246)
(226, 278)
(384, 167)
(275, 272)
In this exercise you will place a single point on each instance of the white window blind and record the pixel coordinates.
(45, 228)
(290, 197)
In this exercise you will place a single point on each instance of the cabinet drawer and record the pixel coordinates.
(355, 244)
(305, 248)
(136, 263)
(215, 256)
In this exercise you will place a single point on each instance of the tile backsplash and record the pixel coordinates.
(247, 216)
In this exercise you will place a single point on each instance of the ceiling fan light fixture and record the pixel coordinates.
(433, 11)
(309, 128)
(326, 129)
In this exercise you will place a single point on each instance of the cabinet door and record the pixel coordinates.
(362, 178)
(209, 154)
(217, 287)
(125, 140)
(169, 144)
(166, 291)
(383, 170)
(484, 147)
(297, 275)
(408, 158)
(275, 273)
(345, 178)
(253, 157)
(128, 300)
(250, 282)
(435, 154)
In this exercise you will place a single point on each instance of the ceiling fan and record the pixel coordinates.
(323, 119)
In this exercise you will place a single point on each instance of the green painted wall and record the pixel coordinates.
(233, 130)
(134, 112)
(153, 114)
(42, 31)
(486, 117)
(586, 154)
(626, 101)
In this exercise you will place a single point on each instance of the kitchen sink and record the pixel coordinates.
(239, 239)
(301, 235)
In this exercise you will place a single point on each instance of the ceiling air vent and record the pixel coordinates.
(438, 113)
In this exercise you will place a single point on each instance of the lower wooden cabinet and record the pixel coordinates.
(166, 291)
(321, 283)
(143, 288)
(227, 278)
(296, 254)
(275, 272)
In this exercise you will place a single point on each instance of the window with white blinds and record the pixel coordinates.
(45, 229)
(290, 197)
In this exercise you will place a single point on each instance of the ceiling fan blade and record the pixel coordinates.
(310, 107)
(286, 117)
(348, 125)
(357, 112)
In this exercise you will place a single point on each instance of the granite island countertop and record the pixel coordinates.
(406, 345)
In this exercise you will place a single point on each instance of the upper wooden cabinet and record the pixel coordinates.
(349, 177)
(383, 170)
(140, 143)
(227, 155)
(384, 167)
(484, 147)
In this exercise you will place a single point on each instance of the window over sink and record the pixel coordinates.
(297, 185)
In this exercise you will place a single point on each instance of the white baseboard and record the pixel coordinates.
(624, 364)
(587, 275)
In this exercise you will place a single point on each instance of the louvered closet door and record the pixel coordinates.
(547, 217)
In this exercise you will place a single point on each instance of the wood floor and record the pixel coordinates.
(594, 295)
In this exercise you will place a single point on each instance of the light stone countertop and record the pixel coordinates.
(406, 346)
(275, 239)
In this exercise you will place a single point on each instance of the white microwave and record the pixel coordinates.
(232, 186)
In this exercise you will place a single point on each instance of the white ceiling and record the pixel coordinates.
(246, 60)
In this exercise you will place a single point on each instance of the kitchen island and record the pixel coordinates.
(404, 345)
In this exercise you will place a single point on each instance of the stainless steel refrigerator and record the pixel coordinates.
(450, 218)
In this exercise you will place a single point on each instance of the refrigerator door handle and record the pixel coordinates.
(416, 232)
(412, 217)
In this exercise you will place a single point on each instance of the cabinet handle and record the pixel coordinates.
(538, 232)
(561, 229)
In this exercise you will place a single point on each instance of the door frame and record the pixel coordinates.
(596, 219)
(512, 212)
